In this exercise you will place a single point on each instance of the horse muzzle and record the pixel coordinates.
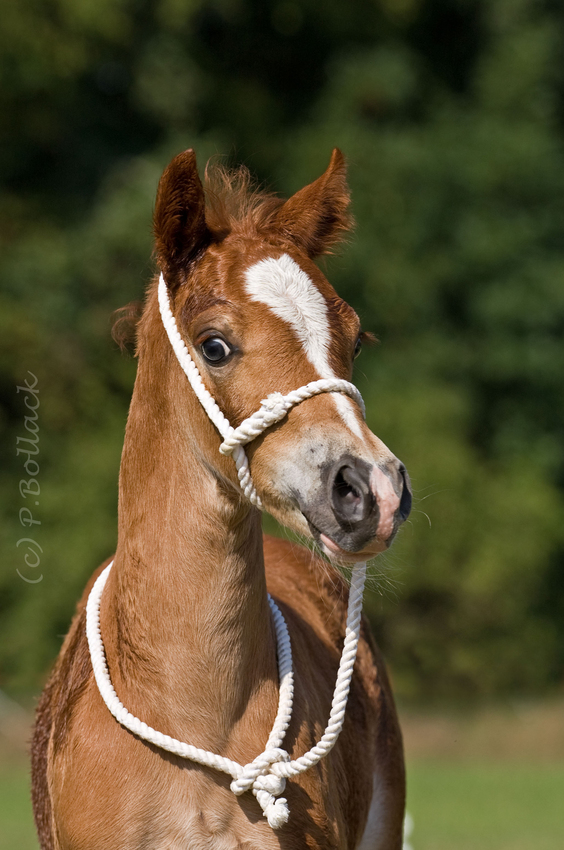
(359, 507)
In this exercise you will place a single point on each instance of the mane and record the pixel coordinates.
(124, 325)
(234, 203)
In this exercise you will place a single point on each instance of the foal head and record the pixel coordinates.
(258, 317)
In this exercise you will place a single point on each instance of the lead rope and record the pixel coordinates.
(266, 775)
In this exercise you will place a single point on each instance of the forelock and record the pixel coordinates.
(235, 204)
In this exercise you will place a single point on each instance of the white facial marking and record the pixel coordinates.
(292, 296)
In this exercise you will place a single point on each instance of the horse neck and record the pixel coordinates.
(185, 615)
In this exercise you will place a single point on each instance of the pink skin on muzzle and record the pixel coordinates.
(387, 499)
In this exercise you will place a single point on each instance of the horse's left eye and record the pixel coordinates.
(357, 348)
(215, 350)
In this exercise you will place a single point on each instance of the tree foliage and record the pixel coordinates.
(450, 114)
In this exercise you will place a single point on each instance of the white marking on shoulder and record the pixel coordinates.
(292, 296)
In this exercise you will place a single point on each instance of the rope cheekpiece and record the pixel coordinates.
(266, 775)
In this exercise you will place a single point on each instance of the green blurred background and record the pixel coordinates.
(451, 115)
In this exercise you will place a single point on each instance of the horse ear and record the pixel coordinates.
(179, 220)
(317, 216)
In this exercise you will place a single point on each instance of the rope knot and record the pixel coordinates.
(259, 767)
(229, 443)
(274, 403)
(265, 785)
(277, 813)
(275, 785)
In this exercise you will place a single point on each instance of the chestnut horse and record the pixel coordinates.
(185, 618)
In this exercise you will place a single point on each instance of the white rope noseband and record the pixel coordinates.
(266, 775)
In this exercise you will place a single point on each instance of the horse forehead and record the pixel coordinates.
(290, 293)
(279, 282)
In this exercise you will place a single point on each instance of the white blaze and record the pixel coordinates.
(292, 296)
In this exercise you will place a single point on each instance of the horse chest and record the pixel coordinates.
(212, 824)
(141, 800)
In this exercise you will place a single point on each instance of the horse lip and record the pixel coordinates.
(336, 553)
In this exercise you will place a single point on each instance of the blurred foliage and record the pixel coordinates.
(451, 115)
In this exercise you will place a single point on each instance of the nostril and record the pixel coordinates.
(350, 495)
(406, 498)
(345, 492)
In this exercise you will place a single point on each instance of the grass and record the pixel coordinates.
(16, 823)
(487, 805)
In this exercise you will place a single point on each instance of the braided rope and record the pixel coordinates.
(266, 775)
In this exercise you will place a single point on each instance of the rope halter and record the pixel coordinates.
(266, 775)
(272, 410)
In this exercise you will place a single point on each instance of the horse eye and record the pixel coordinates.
(357, 348)
(215, 350)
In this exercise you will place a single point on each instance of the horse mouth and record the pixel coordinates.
(335, 553)
(332, 550)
